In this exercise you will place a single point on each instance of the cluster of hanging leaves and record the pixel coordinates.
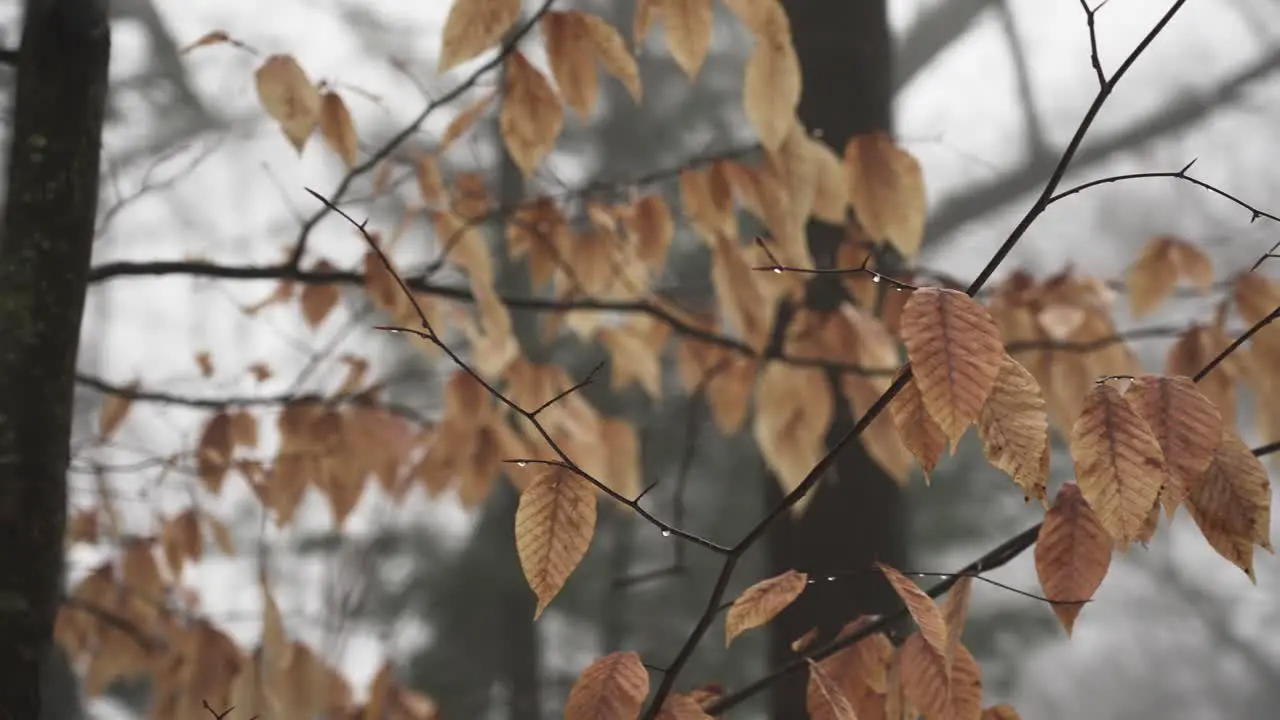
(1031, 356)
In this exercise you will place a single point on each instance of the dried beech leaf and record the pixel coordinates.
(1231, 502)
(924, 611)
(474, 26)
(1014, 429)
(318, 299)
(762, 602)
(793, 412)
(612, 52)
(1073, 554)
(1118, 462)
(1187, 425)
(688, 26)
(571, 53)
(926, 678)
(771, 86)
(289, 98)
(886, 189)
(956, 354)
(917, 429)
(824, 698)
(611, 688)
(336, 128)
(464, 120)
(555, 521)
(531, 115)
(115, 407)
(1153, 277)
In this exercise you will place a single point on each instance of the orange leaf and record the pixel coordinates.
(555, 521)
(213, 452)
(474, 26)
(1014, 428)
(886, 189)
(771, 87)
(762, 602)
(612, 51)
(955, 610)
(966, 685)
(1231, 502)
(918, 430)
(115, 407)
(611, 688)
(924, 611)
(652, 229)
(464, 120)
(572, 58)
(1186, 424)
(678, 706)
(1073, 553)
(824, 698)
(955, 352)
(1002, 711)
(793, 411)
(1118, 462)
(926, 681)
(289, 98)
(336, 128)
(531, 115)
(688, 25)
(318, 299)
(1153, 276)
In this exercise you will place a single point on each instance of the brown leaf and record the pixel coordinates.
(918, 430)
(555, 521)
(336, 128)
(1231, 502)
(474, 26)
(213, 37)
(955, 610)
(318, 299)
(771, 87)
(955, 352)
(926, 679)
(1003, 711)
(886, 189)
(1187, 425)
(611, 688)
(762, 602)
(1073, 554)
(1014, 428)
(213, 452)
(793, 411)
(924, 611)
(824, 698)
(204, 361)
(531, 116)
(1118, 462)
(1153, 277)
(572, 58)
(831, 196)
(612, 52)
(464, 120)
(623, 471)
(966, 685)
(289, 97)
(115, 407)
(652, 229)
(688, 24)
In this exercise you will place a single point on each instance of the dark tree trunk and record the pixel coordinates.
(44, 261)
(856, 516)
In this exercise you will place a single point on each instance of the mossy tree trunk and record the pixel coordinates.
(45, 246)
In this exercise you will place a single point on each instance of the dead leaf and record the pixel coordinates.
(1231, 502)
(956, 354)
(1014, 429)
(555, 521)
(1187, 425)
(1073, 554)
(771, 86)
(474, 26)
(611, 688)
(762, 602)
(1118, 462)
(289, 97)
(336, 128)
(886, 190)
(688, 26)
(917, 429)
(115, 408)
(531, 116)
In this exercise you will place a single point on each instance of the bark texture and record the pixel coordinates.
(856, 516)
(44, 261)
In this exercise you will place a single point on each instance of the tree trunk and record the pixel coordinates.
(44, 261)
(856, 516)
